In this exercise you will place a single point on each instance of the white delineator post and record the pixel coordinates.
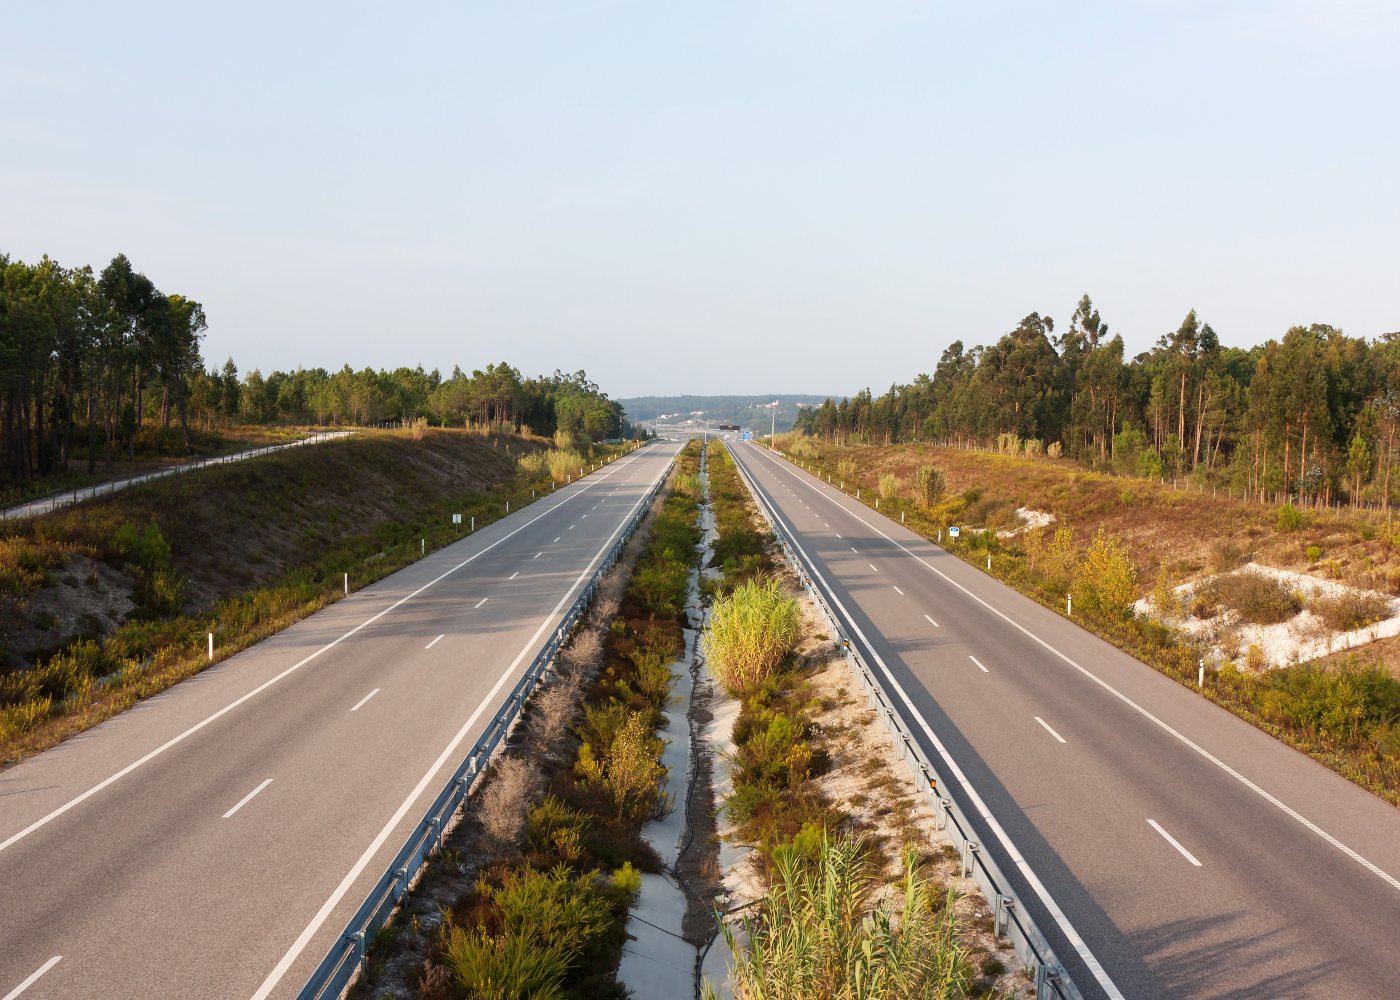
(347, 584)
(1069, 605)
(1201, 675)
(211, 647)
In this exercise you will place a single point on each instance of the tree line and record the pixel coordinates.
(96, 365)
(1314, 413)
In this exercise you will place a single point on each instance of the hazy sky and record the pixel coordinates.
(710, 197)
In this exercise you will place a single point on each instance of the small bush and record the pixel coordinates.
(890, 487)
(751, 632)
(929, 486)
(1289, 518)
(534, 463)
(1313, 552)
(1351, 609)
(1106, 580)
(1257, 598)
(505, 967)
(627, 880)
(627, 770)
(563, 912)
(563, 463)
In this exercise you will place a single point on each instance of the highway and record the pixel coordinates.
(1186, 853)
(213, 841)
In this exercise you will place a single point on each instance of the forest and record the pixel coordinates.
(1314, 414)
(101, 365)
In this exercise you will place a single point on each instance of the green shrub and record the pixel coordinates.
(627, 880)
(627, 770)
(1314, 553)
(751, 632)
(534, 463)
(662, 586)
(553, 826)
(562, 911)
(1289, 518)
(148, 549)
(1106, 579)
(563, 463)
(889, 487)
(929, 485)
(505, 967)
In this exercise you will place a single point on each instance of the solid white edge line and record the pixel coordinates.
(33, 978)
(360, 704)
(1048, 729)
(303, 939)
(77, 799)
(1173, 841)
(1076, 942)
(249, 797)
(436, 641)
(1268, 797)
(979, 664)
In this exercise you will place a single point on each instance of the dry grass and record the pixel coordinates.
(502, 806)
(1256, 598)
(1351, 609)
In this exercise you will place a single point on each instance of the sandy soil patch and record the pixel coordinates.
(1303, 637)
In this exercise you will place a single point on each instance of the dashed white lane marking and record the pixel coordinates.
(33, 978)
(435, 641)
(1185, 740)
(899, 592)
(572, 527)
(1173, 841)
(513, 575)
(360, 704)
(43, 821)
(838, 534)
(556, 539)
(979, 664)
(247, 798)
(931, 621)
(855, 550)
(1048, 729)
(872, 567)
(480, 603)
(538, 554)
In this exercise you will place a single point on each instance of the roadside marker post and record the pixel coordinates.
(1201, 675)
(347, 584)
(211, 647)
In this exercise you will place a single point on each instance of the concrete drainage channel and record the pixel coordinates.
(658, 962)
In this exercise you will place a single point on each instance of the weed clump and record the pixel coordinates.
(752, 630)
(1255, 597)
(818, 933)
(1351, 609)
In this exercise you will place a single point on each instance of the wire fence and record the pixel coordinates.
(47, 505)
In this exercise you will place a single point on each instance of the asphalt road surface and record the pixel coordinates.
(214, 840)
(1188, 853)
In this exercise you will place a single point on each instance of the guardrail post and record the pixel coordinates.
(941, 812)
(969, 851)
(1002, 917)
(357, 942)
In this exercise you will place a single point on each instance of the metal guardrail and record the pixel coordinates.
(49, 504)
(347, 956)
(1009, 917)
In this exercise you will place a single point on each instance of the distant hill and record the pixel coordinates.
(748, 411)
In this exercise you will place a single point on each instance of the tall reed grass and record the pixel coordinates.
(819, 934)
(752, 630)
